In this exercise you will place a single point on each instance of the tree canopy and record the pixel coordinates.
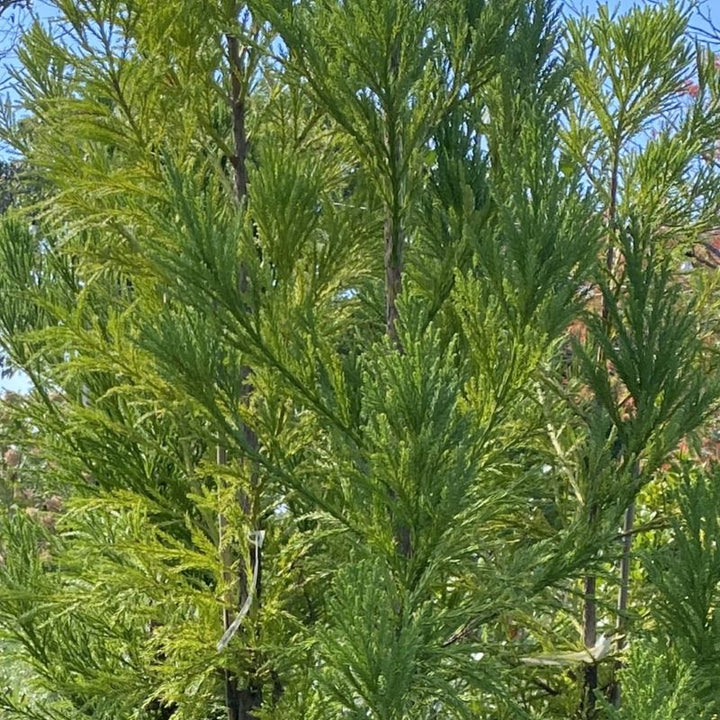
(374, 363)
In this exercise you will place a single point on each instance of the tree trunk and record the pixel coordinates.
(393, 274)
(590, 675)
(622, 604)
(241, 703)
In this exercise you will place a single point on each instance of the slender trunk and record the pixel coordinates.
(394, 240)
(590, 672)
(237, 109)
(393, 273)
(590, 677)
(242, 703)
(622, 604)
(232, 702)
(615, 690)
(611, 224)
(590, 680)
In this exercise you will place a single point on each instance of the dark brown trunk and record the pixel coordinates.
(237, 109)
(241, 703)
(393, 275)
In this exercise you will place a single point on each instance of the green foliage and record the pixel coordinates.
(655, 685)
(683, 574)
(222, 427)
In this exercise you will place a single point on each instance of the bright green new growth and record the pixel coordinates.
(439, 338)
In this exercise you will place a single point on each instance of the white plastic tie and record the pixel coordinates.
(256, 537)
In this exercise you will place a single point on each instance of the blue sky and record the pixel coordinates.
(43, 8)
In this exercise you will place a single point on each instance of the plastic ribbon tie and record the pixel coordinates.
(256, 538)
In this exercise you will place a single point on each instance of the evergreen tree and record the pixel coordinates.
(297, 311)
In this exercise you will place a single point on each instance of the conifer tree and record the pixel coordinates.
(296, 311)
(630, 90)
